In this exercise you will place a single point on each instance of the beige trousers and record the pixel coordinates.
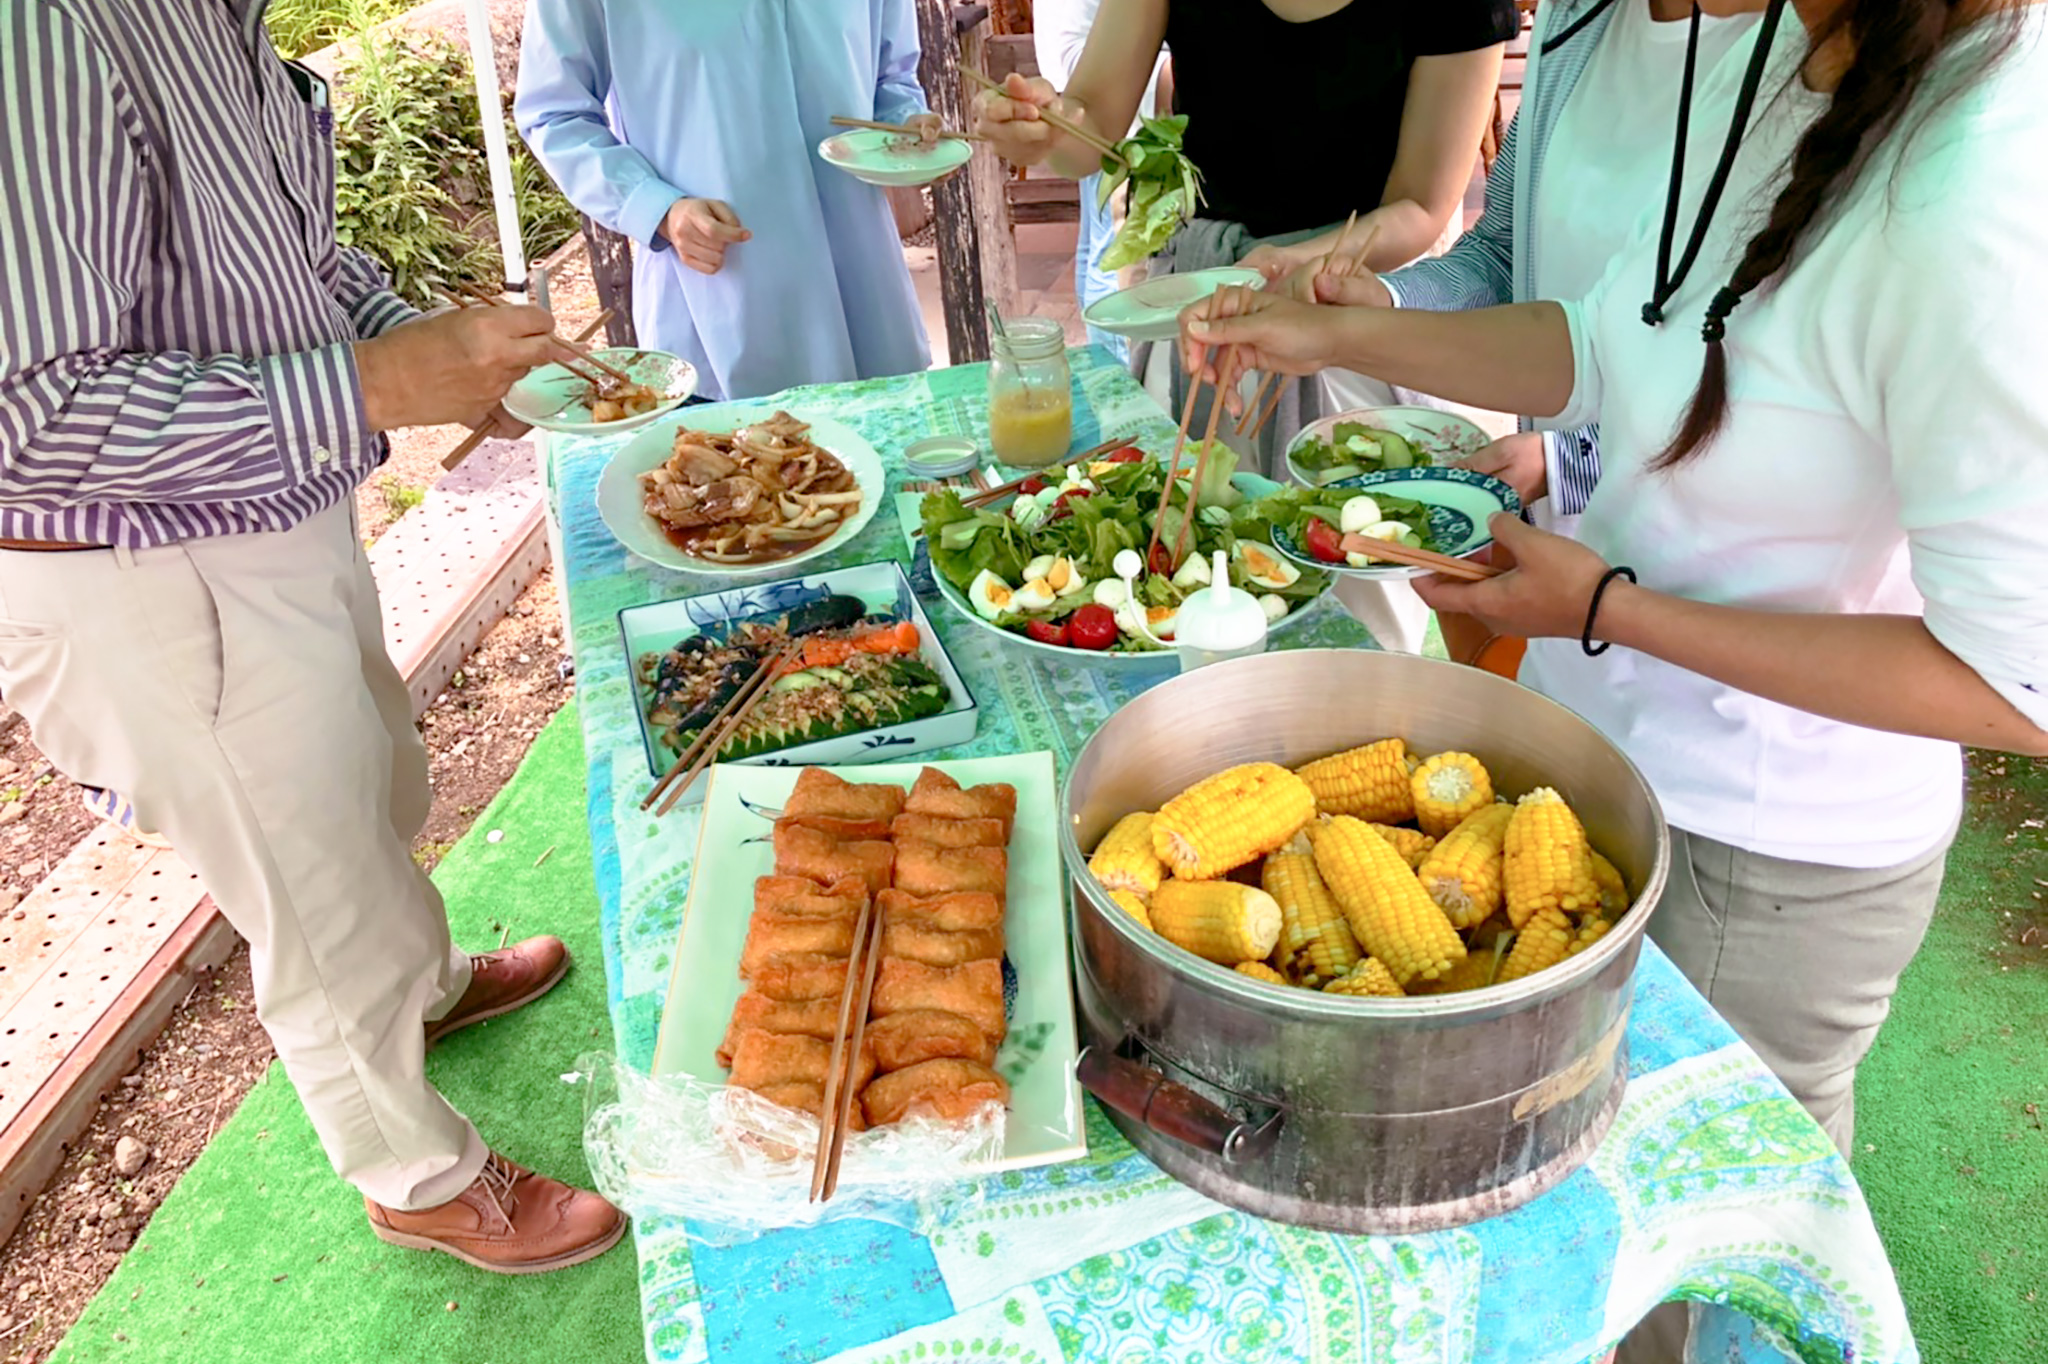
(238, 691)
(1802, 960)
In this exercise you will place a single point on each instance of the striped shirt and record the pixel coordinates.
(175, 313)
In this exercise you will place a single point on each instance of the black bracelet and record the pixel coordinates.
(1593, 609)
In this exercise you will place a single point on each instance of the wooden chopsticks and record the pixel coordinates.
(1337, 263)
(1180, 440)
(483, 433)
(1065, 125)
(575, 348)
(839, 121)
(1002, 490)
(703, 749)
(1410, 557)
(854, 998)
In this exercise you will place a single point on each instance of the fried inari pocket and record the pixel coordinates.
(948, 1090)
(771, 935)
(810, 1017)
(935, 793)
(808, 1098)
(761, 1058)
(973, 990)
(949, 833)
(800, 895)
(961, 913)
(802, 977)
(827, 795)
(803, 851)
(928, 869)
(919, 1035)
(914, 941)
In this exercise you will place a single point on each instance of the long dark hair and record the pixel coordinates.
(1894, 45)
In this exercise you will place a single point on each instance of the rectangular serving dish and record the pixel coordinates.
(883, 586)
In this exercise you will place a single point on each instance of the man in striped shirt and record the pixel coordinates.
(193, 380)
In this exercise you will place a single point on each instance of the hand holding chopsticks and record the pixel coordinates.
(1086, 137)
(500, 422)
(1336, 263)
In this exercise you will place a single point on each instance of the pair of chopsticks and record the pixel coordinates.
(1343, 266)
(839, 121)
(483, 433)
(1187, 417)
(1408, 556)
(1002, 490)
(1065, 125)
(976, 477)
(703, 749)
(854, 998)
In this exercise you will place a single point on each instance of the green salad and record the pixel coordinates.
(1316, 520)
(1044, 566)
(1355, 448)
(1165, 190)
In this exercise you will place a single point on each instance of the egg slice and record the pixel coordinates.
(1263, 567)
(1039, 567)
(1357, 513)
(1111, 593)
(1397, 531)
(1062, 576)
(1035, 595)
(1193, 573)
(1274, 607)
(990, 595)
(1162, 620)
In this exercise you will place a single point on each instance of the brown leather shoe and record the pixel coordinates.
(503, 981)
(509, 1221)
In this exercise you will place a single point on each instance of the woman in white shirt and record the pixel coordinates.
(1839, 519)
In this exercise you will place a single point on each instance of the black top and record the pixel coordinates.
(1295, 125)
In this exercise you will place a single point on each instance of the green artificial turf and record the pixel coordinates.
(1952, 1150)
(261, 1254)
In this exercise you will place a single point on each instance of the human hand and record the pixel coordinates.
(1517, 461)
(1234, 330)
(1544, 595)
(928, 127)
(1278, 262)
(450, 366)
(1010, 119)
(700, 230)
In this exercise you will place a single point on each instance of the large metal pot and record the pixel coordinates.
(1357, 1115)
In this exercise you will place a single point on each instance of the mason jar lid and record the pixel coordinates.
(942, 456)
(1030, 338)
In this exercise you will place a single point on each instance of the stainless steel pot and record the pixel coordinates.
(1358, 1115)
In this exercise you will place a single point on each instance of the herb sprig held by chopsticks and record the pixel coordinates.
(1166, 189)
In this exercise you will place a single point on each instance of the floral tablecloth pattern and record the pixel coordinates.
(1713, 1185)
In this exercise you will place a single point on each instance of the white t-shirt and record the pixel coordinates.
(1609, 158)
(1886, 445)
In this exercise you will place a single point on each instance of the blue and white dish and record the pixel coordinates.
(1459, 502)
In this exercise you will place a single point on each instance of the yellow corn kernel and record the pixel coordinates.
(1545, 941)
(1548, 863)
(1221, 921)
(1315, 940)
(1124, 859)
(1447, 788)
(1464, 872)
(1370, 782)
(1258, 970)
(1390, 915)
(1369, 977)
(1132, 904)
(1590, 932)
(1237, 816)
(1412, 844)
(1613, 889)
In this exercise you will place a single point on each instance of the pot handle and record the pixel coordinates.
(1146, 1096)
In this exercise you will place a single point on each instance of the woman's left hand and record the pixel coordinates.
(928, 127)
(1543, 596)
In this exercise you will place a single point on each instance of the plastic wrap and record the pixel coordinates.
(735, 1166)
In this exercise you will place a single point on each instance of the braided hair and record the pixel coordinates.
(1894, 45)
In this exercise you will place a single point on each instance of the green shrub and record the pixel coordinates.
(301, 26)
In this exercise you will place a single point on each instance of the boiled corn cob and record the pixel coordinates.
(1476, 972)
(1221, 921)
(1412, 844)
(1613, 889)
(1124, 859)
(1258, 970)
(1369, 977)
(1549, 864)
(1590, 932)
(1222, 822)
(1447, 788)
(1315, 940)
(1543, 942)
(1370, 782)
(1390, 915)
(1463, 874)
(1131, 904)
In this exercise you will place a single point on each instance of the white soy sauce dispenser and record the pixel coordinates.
(1216, 623)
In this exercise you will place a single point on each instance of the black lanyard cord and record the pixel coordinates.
(1668, 281)
(1578, 26)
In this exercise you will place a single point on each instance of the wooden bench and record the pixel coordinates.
(1039, 199)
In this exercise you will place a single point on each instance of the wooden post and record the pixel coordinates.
(611, 270)
(956, 225)
(989, 183)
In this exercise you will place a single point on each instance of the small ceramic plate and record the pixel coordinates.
(892, 160)
(1459, 502)
(555, 400)
(620, 502)
(1151, 311)
(1439, 436)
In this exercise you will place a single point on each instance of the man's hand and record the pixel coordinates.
(928, 127)
(1517, 461)
(700, 230)
(1009, 119)
(450, 366)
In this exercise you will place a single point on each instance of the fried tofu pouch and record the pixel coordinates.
(827, 795)
(919, 1035)
(761, 1058)
(803, 851)
(973, 990)
(771, 935)
(801, 895)
(928, 869)
(949, 833)
(809, 1017)
(935, 793)
(964, 912)
(948, 1090)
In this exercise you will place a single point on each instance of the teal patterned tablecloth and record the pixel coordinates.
(1713, 1186)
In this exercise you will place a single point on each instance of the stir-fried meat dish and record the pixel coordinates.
(761, 493)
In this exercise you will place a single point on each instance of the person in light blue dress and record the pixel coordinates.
(693, 130)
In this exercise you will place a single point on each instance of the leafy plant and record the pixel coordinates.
(1165, 190)
(301, 26)
(400, 498)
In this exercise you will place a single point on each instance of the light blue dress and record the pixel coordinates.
(633, 104)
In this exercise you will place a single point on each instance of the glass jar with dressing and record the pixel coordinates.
(1030, 394)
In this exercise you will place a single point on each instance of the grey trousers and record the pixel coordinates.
(1802, 960)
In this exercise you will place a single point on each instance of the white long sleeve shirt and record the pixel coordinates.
(1886, 450)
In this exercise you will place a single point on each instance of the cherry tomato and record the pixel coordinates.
(1032, 486)
(1324, 540)
(1130, 454)
(1060, 507)
(1091, 627)
(1047, 631)
(1161, 561)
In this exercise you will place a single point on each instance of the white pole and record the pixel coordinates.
(483, 58)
